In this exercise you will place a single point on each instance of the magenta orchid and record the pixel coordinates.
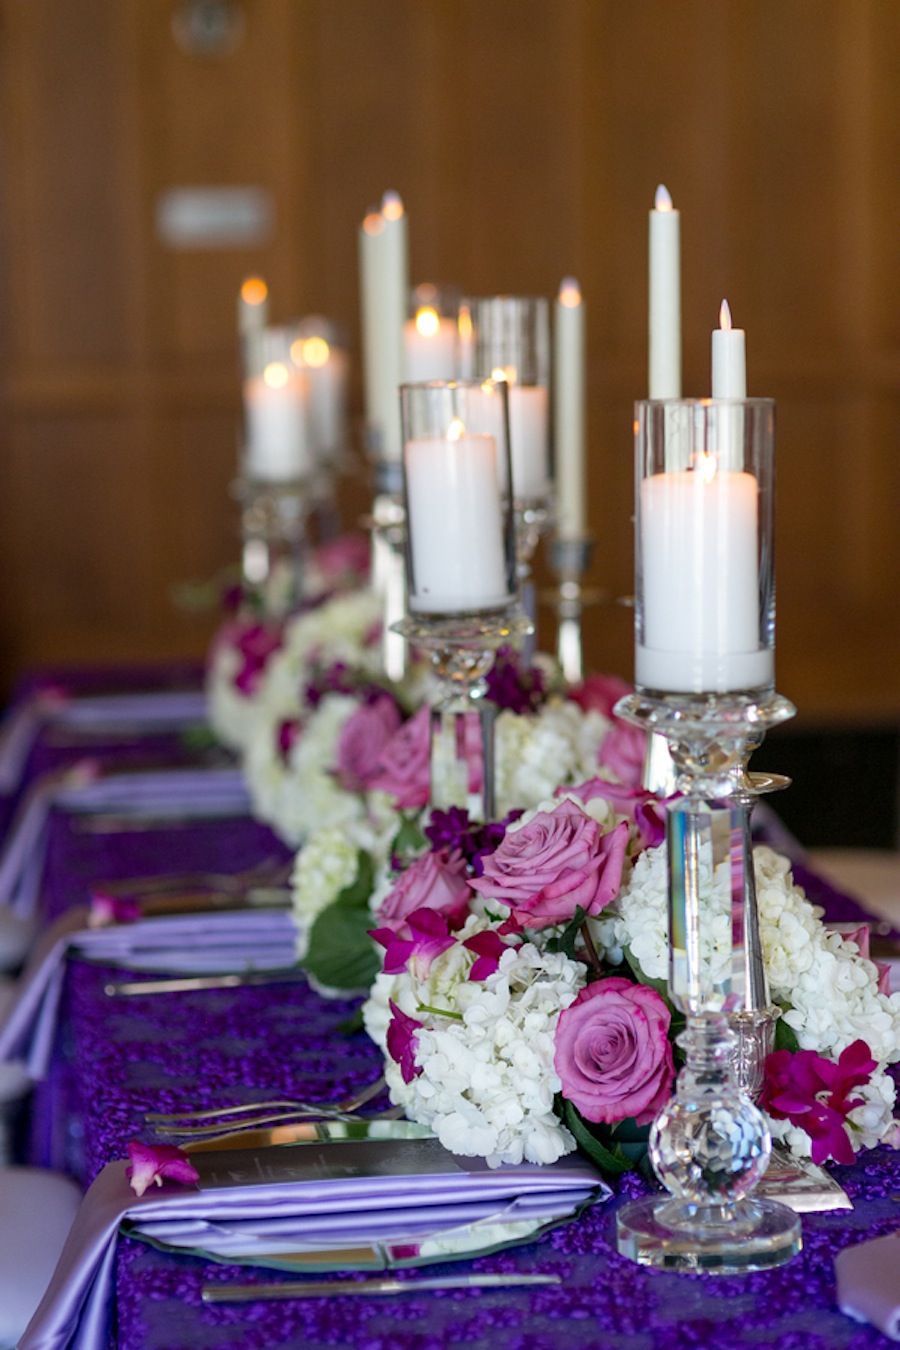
(151, 1164)
(255, 645)
(401, 1042)
(488, 948)
(813, 1093)
(106, 909)
(430, 936)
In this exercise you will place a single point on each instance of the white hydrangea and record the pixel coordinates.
(329, 861)
(233, 716)
(537, 754)
(488, 1082)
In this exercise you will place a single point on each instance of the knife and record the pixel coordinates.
(242, 1293)
(311, 1132)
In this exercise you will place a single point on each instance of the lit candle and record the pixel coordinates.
(370, 303)
(729, 358)
(394, 292)
(326, 376)
(277, 445)
(252, 306)
(569, 411)
(455, 523)
(700, 582)
(665, 299)
(529, 448)
(429, 344)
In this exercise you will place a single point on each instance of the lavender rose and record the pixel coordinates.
(363, 738)
(403, 763)
(613, 1053)
(435, 881)
(557, 862)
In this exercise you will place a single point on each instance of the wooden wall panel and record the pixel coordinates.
(527, 138)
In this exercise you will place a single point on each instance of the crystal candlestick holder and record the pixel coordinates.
(710, 1145)
(461, 568)
(571, 558)
(387, 523)
(274, 543)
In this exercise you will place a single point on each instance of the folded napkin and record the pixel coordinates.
(167, 794)
(112, 714)
(868, 1283)
(308, 1184)
(222, 942)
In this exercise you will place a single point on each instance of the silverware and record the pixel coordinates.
(334, 1130)
(211, 902)
(271, 872)
(323, 1109)
(111, 822)
(243, 1293)
(183, 984)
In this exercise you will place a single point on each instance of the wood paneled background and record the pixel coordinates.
(527, 138)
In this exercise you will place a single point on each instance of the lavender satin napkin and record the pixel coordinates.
(233, 941)
(149, 711)
(74, 1313)
(868, 1283)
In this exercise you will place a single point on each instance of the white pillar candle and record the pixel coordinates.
(395, 289)
(370, 233)
(665, 299)
(277, 445)
(252, 306)
(326, 375)
(456, 524)
(700, 622)
(429, 347)
(729, 358)
(569, 411)
(529, 446)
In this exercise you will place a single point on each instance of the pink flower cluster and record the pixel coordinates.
(814, 1094)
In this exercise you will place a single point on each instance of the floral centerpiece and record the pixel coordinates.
(521, 1005)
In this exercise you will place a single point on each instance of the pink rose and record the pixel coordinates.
(404, 766)
(365, 734)
(600, 693)
(622, 752)
(403, 763)
(435, 881)
(637, 804)
(558, 862)
(613, 1053)
(344, 558)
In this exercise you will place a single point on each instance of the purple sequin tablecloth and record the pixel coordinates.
(117, 1058)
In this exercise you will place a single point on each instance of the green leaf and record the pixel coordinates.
(200, 739)
(353, 1024)
(341, 954)
(409, 838)
(785, 1036)
(565, 943)
(612, 1161)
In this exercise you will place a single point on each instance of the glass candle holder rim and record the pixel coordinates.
(705, 401)
(510, 296)
(458, 382)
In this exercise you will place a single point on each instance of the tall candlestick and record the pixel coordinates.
(729, 358)
(395, 290)
(569, 411)
(252, 306)
(455, 523)
(665, 299)
(370, 233)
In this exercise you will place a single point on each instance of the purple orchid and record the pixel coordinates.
(488, 948)
(452, 831)
(401, 1042)
(106, 909)
(813, 1093)
(151, 1164)
(429, 938)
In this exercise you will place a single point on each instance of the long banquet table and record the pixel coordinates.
(116, 1058)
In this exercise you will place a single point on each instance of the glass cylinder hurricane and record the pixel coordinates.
(278, 444)
(510, 338)
(704, 579)
(460, 536)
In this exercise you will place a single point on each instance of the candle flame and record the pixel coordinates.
(456, 430)
(276, 375)
(373, 223)
(662, 201)
(254, 291)
(465, 322)
(508, 373)
(391, 206)
(427, 322)
(311, 351)
(706, 466)
(725, 316)
(570, 293)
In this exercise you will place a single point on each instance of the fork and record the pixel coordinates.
(170, 1121)
(271, 872)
